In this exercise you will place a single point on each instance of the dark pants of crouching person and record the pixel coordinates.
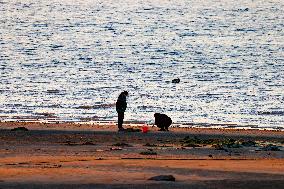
(162, 121)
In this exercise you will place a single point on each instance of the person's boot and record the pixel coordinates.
(162, 129)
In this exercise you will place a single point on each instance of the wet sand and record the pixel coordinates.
(70, 155)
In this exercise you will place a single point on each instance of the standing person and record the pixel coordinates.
(120, 108)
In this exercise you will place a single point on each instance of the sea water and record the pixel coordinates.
(69, 60)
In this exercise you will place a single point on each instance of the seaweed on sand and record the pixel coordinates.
(122, 144)
(217, 143)
(132, 130)
(270, 147)
(150, 145)
(19, 129)
(149, 152)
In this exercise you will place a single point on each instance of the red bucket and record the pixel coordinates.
(145, 129)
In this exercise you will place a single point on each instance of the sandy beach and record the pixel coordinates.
(68, 155)
(73, 71)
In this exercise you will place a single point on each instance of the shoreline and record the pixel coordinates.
(71, 126)
(139, 124)
(50, 119)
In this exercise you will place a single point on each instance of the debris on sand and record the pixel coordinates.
(115, 148)
(88, 143)
(270, 147)
(132, 130)
(149, 152)
(100, 150)
(191, 145)
(19, 129)
(163, 178)
(150, 145)
(219, 144)
(69, 143)
(218, 147)
(129, 130)
(122, 144)
(249, 143)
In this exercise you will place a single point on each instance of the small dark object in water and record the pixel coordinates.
(19, 129)
(271, 113)
(176, 80)
(163, 178)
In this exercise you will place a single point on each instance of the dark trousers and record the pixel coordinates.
(120, 119)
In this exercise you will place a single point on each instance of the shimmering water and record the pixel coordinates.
(69, 60)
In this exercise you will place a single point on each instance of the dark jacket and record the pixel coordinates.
(162, 120)
(121, 104)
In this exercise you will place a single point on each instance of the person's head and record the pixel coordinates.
(125, 93)
(156, 114)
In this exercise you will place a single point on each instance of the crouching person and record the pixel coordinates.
(162, 121)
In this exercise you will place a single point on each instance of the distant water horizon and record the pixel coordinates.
(67, 61)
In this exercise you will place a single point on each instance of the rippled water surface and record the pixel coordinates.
(69, 60)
